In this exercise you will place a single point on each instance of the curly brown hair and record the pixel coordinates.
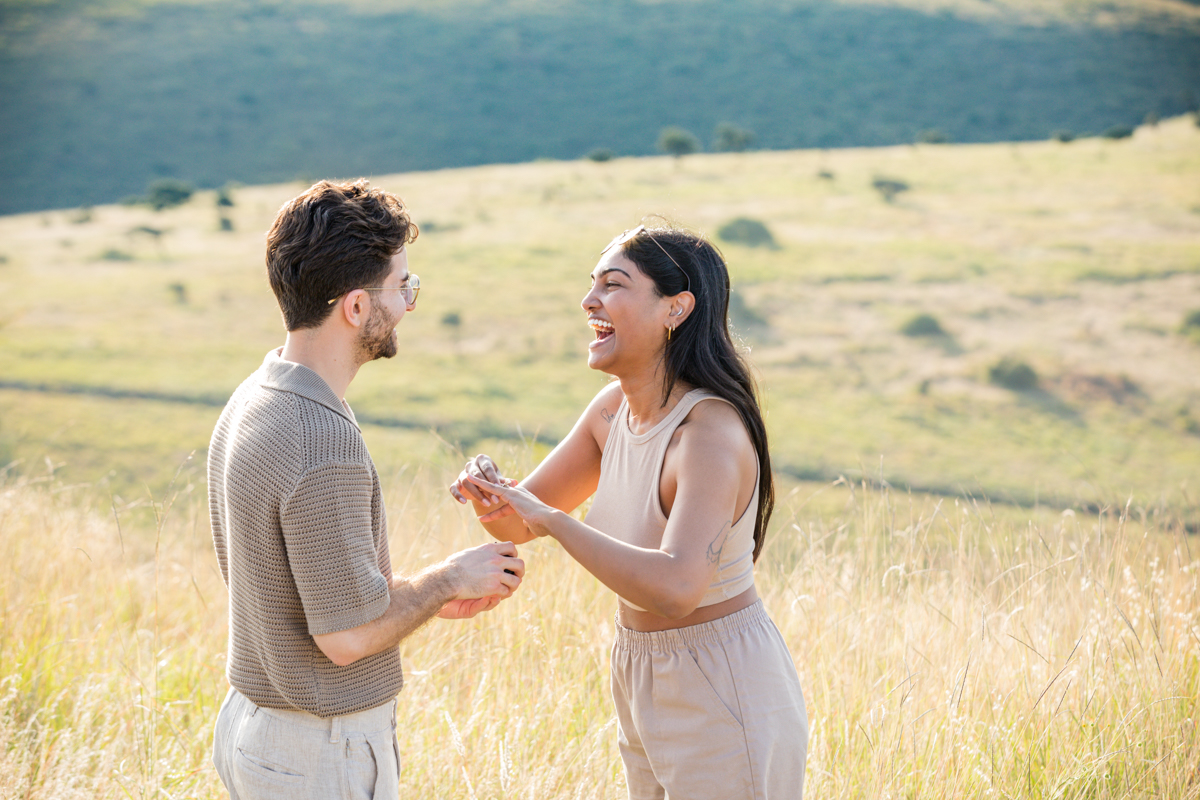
(332, 239)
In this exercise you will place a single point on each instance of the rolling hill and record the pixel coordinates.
(97, 99)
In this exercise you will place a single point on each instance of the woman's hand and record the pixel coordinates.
(481, 466)
(514, 499)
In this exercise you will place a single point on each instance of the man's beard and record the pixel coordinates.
(378, 337)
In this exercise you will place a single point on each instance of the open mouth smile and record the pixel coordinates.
(602, 328)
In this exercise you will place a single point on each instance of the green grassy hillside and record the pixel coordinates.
(119, 345)
(99, 97)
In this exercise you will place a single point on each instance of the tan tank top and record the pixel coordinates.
(626, 505)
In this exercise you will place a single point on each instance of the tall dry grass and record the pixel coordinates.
(947, 649)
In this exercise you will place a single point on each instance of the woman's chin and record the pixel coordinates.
(600, 352)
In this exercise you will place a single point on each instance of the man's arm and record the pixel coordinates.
(488, 570)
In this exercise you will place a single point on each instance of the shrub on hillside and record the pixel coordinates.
(167, 193)
(677, 142)
(1118, 132)
(1013, 374)
(1191, 324)
(923, 325)
(729, 138)
(225, 197)
(1063, 135)
(888, 188)
(601, 154)
(747, 231)
(452, 321)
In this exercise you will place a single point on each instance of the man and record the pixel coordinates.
(315, 613)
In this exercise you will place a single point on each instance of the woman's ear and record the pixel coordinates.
(682, 305)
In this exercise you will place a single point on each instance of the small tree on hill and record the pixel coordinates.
(729, 138)
(677, 142)
(167, 193)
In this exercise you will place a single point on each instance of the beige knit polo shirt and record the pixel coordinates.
(301, 536)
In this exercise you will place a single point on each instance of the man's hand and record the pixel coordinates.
(487, 570)
(465, 609)
(465, 584)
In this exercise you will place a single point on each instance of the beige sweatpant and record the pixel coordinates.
(271, 754)
(710, 711)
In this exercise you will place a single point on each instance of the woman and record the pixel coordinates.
(675, 451)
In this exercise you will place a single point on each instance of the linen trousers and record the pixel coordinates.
(275, 754)
(711, 711)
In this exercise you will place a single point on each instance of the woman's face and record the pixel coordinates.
(628, 316)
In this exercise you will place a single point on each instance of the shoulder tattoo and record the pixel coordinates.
(607, 417)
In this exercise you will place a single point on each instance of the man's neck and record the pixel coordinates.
(331, 357)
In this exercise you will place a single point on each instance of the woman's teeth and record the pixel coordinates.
(603, 329)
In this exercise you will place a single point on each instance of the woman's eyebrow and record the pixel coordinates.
(607, 270)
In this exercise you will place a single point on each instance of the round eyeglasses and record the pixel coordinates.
(410, 288)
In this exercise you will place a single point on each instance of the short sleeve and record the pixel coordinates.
(329, 534)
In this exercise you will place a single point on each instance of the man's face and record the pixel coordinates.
(378, 336)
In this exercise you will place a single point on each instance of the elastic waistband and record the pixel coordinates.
(372, 720)
(705, 633)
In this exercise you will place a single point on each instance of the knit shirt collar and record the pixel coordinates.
(288, 376)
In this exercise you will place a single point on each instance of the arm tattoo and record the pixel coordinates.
(607, 417)
(718, 544)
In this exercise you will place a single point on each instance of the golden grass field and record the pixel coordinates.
(947, 649)
(1022, 623)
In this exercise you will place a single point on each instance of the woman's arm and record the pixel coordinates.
(563, 480)
(709, 467)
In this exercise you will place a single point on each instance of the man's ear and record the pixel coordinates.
(354, 308)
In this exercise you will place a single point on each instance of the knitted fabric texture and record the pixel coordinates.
(301, 537)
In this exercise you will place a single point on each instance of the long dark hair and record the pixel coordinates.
(700, 351)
